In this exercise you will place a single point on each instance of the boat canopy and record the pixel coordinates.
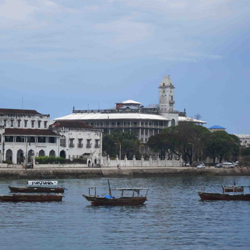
(42, 183)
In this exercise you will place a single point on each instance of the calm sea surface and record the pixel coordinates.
(172, 218)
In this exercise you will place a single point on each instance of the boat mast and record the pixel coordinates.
(109, 189)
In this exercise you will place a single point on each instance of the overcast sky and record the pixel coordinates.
(56, 54)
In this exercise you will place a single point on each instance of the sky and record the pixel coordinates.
(60, 54)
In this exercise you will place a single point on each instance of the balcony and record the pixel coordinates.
(88, 145)
(97, 146)
(71, 145)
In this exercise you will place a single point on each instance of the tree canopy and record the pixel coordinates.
(194, 142)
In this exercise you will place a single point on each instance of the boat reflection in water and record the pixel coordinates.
(136, 197)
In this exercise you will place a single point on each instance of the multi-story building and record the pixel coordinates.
(79, 140)
(131, 115)
(26, 133)
(244, 140)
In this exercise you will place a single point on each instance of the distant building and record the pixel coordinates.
(244, 140)
(217, 128)
(131, 115)
(26, 133)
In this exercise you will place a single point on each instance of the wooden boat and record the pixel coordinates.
(227, 197)
(31, 197)
(134, 199)
(38, 187)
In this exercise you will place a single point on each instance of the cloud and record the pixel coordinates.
(118, 29)
(125, 30)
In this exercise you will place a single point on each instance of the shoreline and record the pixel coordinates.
(78, 173)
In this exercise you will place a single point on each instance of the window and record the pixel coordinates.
(20, 139)
(19, 123)
(32, 123)
(39, 124)
(5, 123)
(41, 139)
(25, 123)
(71, 142)
(45, 124)
(63, 142)
(97, 144)
(9, 139)
(52, 139)
(31, 139)
(12, 123)
(88, 143)
(80, 145)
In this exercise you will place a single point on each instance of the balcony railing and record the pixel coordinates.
(80, 145)
(88, 145)
(71, 145)
(97, 146)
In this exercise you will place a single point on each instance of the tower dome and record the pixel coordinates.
(166, 82)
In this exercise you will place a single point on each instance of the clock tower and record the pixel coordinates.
(166, 95)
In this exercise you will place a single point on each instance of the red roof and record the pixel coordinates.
(70, 124)
(18, 111)
(21, 131)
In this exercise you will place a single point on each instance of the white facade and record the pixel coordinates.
(26, 133)
(20, 118)
(79, 142)
(244, 140)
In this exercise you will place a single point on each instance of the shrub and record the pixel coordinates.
(50, 159)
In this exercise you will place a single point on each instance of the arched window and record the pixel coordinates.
(30, 153)
(63, 154)
(41, 153)
(8, 155)
(52, 153)
(20, 156)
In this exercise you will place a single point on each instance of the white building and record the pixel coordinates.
(78, 140)
(131, 115)
(244, 140)
(26, 133)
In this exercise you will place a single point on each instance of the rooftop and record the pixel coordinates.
(216, 127)
(20, 131)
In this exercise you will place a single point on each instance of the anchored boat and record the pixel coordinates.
(137, 197)
(227, 197)
(38, 187)
(31, 197)
(235, 193)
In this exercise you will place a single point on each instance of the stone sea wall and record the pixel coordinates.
(83, 172)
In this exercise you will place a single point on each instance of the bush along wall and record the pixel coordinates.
(58, 160)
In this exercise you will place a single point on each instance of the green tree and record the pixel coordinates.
(221, 144)
(186, 140)
(127, 141)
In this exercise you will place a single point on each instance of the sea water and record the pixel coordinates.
(173, 217)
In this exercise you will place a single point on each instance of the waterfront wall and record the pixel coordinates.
(107, 162)
(80, 172)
